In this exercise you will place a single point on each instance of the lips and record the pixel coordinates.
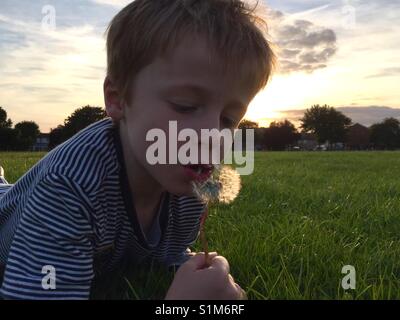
(198, 172)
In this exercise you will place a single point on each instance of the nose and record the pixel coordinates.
(210, 141)
(210, 121)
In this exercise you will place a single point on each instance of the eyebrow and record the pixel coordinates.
(202, 92)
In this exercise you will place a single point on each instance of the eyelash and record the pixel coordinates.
(183, 109)
(228, 123)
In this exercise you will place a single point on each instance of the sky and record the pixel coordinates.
(344, 53)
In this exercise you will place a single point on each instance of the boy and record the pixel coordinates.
(95, 198)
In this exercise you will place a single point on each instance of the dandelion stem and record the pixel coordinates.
(223, 186)
(203, 238)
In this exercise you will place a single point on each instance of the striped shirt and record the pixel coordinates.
(73, 212)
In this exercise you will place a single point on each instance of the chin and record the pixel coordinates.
(181, 190)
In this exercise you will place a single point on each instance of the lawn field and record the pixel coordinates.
(299, 218)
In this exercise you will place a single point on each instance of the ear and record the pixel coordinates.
(113, 100)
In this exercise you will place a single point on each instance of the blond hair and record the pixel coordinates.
(145, 29)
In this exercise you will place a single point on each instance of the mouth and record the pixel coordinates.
(198, 172)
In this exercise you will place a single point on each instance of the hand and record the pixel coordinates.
(190, 253)
(195, 282)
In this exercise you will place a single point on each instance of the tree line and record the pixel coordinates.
(324, 123)
(23, 136)
(327, 126)
(19, 138)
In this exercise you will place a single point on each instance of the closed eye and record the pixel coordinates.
(226, 122)
(182, 108)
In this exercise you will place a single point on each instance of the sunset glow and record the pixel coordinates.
(341, 53)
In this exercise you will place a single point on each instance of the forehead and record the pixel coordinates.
(191, 56)
(194, 62)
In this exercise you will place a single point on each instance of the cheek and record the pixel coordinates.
(172, 179)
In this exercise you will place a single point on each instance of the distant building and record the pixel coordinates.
(259, 139)
(337, 146)
(307, 142)
(358, 137)
(42, 142)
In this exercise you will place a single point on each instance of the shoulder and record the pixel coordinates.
(62, 197)
(86, 158)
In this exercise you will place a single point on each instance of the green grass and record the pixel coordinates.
(298, 220)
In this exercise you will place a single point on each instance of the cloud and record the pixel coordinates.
(44, 73)
(302, 45)
(385, 72)
(371, 114)
(39, 68)
(365, 115)
(115, 3)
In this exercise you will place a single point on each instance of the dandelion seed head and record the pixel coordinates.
(223, 186)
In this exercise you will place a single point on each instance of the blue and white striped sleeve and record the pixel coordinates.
(187, 253)
(51, 256)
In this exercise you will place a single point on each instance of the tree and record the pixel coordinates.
(280, 135)
(328, 124)
(56, 137)
(82, 118)
(8, 139)
(8, 135)
(247, 124)
(4, 123)
(27, 132)
(358, 137)
(77, 121)
(386, 135)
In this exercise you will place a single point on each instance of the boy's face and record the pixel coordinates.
(163, 92)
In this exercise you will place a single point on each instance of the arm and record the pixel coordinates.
(196, 233)
(51, 255)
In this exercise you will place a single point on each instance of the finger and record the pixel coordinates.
(234, 292)
(220, 263)
(207, 259)
(197, 261)
(214, 253)
(211, 255)
(241, 293)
